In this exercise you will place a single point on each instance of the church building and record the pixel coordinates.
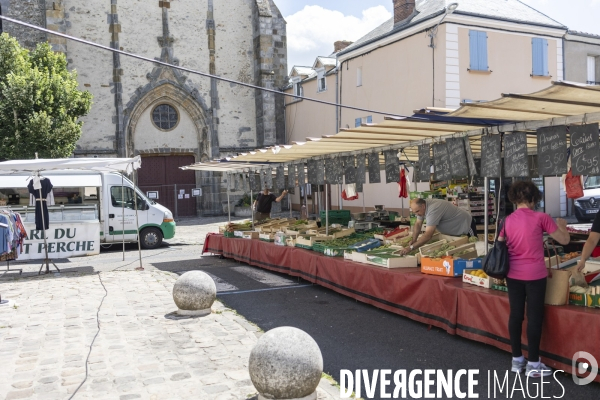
(171, 118)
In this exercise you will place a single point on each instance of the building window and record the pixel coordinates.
(165, 117)
(539, 52)
(478, 51)
(369, 119)
(591, 71)
(322, 84)
(297, 87)
(357, 122)
(359, 76)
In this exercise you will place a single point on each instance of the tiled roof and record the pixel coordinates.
(505, 10)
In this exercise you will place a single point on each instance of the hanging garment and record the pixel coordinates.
(403, 183)
(49, 199)
(41, 207)
(349, 193)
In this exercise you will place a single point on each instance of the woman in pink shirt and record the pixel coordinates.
(524, 231)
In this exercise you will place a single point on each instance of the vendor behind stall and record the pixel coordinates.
(263, 203)
(441, 215)
(590, 243)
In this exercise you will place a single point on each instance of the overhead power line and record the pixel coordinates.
(191, 71)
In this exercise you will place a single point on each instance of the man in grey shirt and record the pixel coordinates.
(441, 215)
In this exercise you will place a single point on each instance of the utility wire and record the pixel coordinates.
(191, 71)
(93, 340)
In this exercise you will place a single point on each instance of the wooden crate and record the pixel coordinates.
(471, 254)
(423, 250)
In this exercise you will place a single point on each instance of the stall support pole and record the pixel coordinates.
(341, 199)
(137, 221)
(363, 196)
(252, 208)
(46, 260)
(176, 198)
(326, 211)
(289, 204)
(305, 199)
(228, 205)
(486, 188)
(123, 212)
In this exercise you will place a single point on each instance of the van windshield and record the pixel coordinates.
(592, 182)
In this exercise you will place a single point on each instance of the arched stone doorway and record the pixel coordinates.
(168, 128)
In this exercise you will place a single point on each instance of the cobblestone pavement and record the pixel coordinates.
(142, 351)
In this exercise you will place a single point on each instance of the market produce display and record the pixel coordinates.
(439, 252)
(479, 273)
(239, 226)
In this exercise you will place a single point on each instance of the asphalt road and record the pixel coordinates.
(353, 335)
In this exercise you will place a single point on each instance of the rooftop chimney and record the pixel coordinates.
(403, 9)
(340, 45)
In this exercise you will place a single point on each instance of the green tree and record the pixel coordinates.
(39, 102)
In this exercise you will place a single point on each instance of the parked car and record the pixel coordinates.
(587, 207)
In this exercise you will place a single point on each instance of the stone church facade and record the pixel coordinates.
(170, 117)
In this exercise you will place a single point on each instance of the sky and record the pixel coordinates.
(313, 25)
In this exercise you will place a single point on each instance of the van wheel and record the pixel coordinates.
(151, 238)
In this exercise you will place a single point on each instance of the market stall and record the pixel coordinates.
(464, 160)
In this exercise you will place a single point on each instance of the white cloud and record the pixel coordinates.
(312, 31)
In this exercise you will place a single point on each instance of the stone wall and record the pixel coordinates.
(30, 11)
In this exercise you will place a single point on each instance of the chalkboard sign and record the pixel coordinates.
(441, 162)
(491, 156)
(280, 178)
(291, 180)
(334, 170)
(585, 152)
(361, 168)
(552, 150)
(470, 159)
(301, 174)
(269, 179)
(320, 172)
(349, 170)
(516, 162)
(458, 158)
(392, 166)
(374, 168)
(311, 169)
(424, 163)
(255, 182)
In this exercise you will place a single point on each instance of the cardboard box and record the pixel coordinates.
(392, 262)
(448, 266)
(251, 235)
(476, 280)
(266, 237)
(578, 299)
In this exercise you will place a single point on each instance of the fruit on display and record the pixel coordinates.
(569, 256)
(239, 226)
(478, 273)
(463, 252)
(473, 239)
(591, 290)
(439, 252)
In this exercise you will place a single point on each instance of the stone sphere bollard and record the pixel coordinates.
(194, 293)
(286, 363)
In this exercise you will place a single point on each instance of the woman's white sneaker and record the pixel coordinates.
(536, 371)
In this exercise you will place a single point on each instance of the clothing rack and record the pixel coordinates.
(8, 260)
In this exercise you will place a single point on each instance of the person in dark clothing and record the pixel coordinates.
(263, 203)
(40, 202)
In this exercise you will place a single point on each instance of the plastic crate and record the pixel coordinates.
(366, 245)
(229, 234)
(334, 251)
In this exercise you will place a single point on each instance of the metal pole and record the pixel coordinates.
(290, 204)
(228, 205)
(137, 221)
(176, 200)
(123, 213)
(326, 211)
(363, 196)
(46, 260)
(305, 199)
(340, 193)
(252, 208)
(486, 188)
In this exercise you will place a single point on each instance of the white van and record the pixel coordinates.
(90, 208)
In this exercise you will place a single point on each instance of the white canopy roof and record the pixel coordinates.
(126, 165)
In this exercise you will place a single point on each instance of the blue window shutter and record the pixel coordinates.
(482, 51)
(474, 60)
(540, 56)
(545, 57)
(370, 119)
(357, 122)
